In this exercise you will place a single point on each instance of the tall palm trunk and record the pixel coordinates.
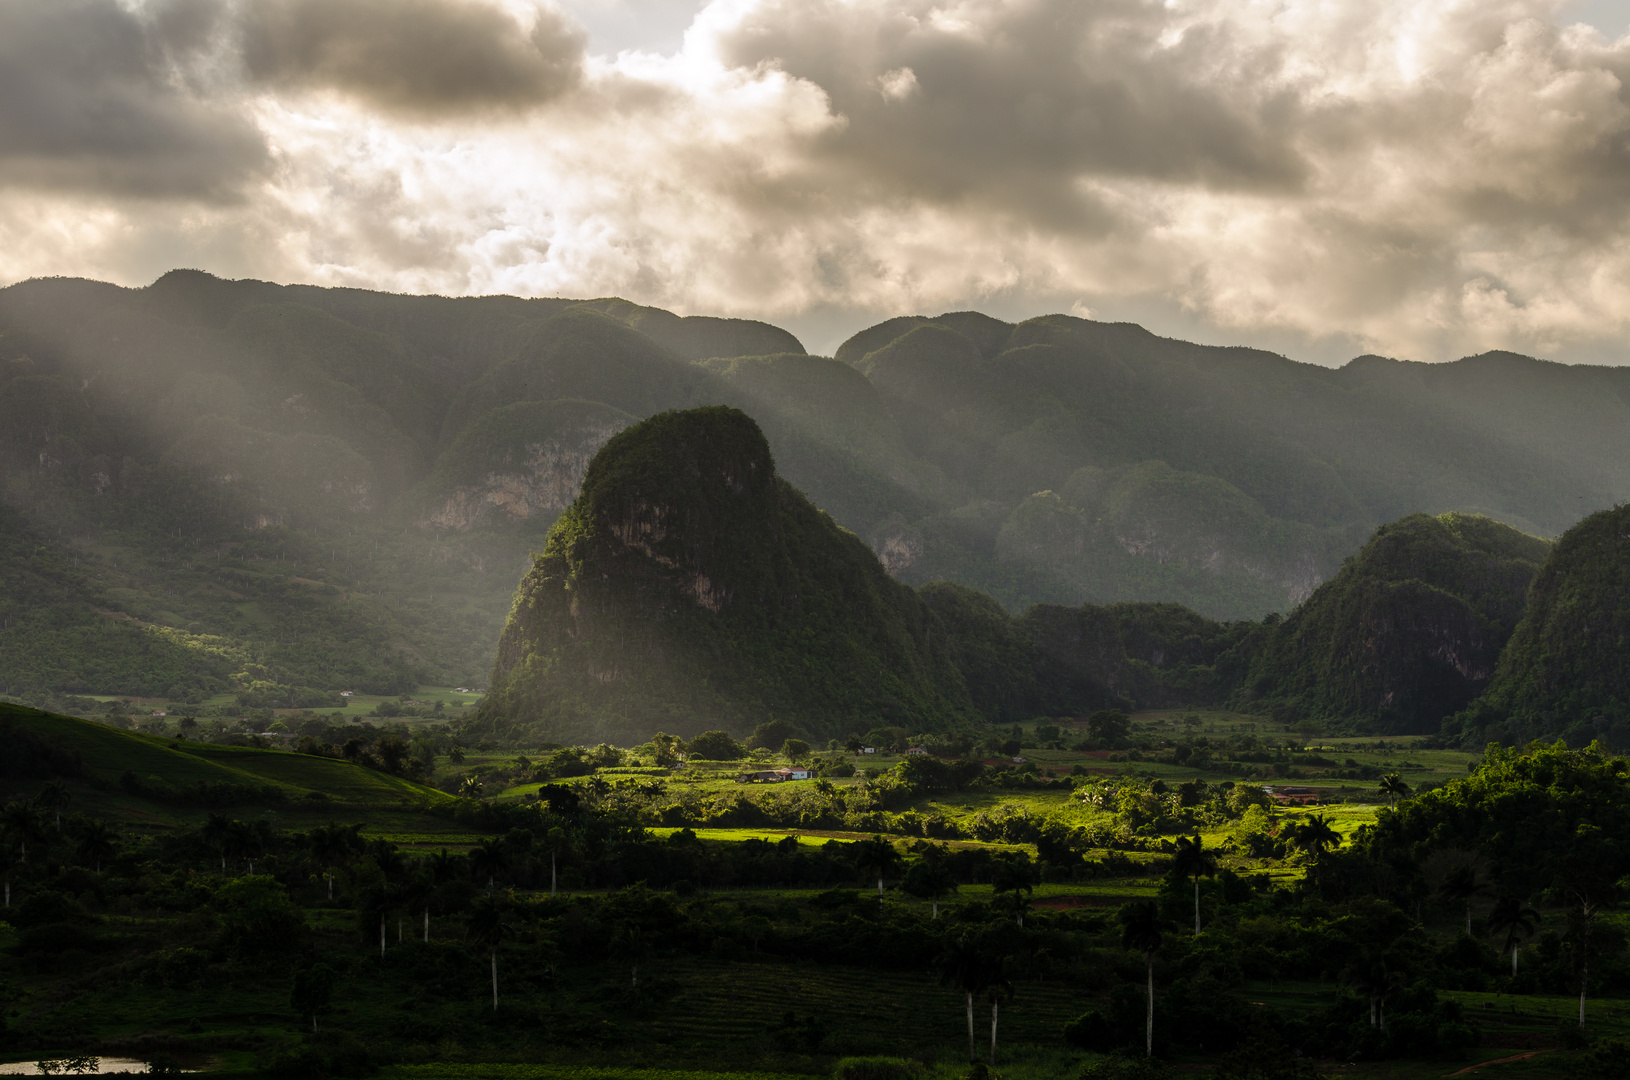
(1584, 964)
(935, 904)
(1468, 918)
(382, 934)
(1513, 961)
(330, 876)
(1584, 980)
(1196, 905)
(494, 980)
(551, 873)
(427, 924)
(398, 929)
(971, 1057)
(1373, 1000)
(993, 1007)
(1149, 1020)
(880, 886)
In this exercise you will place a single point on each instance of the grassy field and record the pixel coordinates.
(312, 789)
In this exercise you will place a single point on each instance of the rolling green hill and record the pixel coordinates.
(142, 778)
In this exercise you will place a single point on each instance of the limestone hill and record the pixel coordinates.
(1408, 632)
(1566, 670)
(689, 586)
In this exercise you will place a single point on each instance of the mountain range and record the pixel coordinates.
(274, 492)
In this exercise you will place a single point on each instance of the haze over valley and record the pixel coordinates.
(787, 539)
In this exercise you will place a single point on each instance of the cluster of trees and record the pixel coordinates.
(1520, 856)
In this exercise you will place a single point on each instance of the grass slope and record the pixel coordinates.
(106, 754)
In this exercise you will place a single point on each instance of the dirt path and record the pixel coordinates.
(1496, 1061)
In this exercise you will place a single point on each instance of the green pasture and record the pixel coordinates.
(818, 837)
(314, 789)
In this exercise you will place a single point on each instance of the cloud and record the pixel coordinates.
(1421, 178)
(90, 101)
(415, 57)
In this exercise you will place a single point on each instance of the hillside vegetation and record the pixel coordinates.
(233, 495)
(1408, 632)
(690, 586)
(1567, 668)
(146, 781)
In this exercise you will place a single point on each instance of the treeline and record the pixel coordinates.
(570, 907)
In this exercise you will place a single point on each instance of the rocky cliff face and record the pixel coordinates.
(544, 480)
(517, 463)
(689, 587)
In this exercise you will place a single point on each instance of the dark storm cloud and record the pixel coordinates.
(1017, 102)
(92, 98)
(419, 57)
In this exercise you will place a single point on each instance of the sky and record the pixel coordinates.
(1323, 178)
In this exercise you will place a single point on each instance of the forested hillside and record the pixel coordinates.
(1407, 633)
(689, 586)
(274, 493)
(1567, 668)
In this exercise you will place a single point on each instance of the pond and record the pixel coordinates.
(75, 1066)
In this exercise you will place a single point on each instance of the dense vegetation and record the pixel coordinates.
(1567, 669)
(689, 585)
(1407, 633)
(217, 484)
(560, 928)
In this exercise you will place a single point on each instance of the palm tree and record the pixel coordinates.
(997, 990)
(1141, 932)
(1512, 920)
(54, 797)
(1314, 836)
(487, 860)
(244, 841)
(929, 879)
(877, 856)
(1393, 787)
(559, 842)
(1192, 860)
(417, 892)
(1015, 875)
(215, 833)
(631, 945)
(1461, 884)
(312, 990)
(8, 865)
(330, 847)
(965, 966)
(487, 927)
(388, 857)
(1371, 975)
(96, 843)
(21, 821)
(377, 900)
(445, 866)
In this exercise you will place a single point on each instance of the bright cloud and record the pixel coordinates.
(1428, 179)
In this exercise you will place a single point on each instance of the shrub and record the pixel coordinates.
(876, 1068)
(716, 746)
